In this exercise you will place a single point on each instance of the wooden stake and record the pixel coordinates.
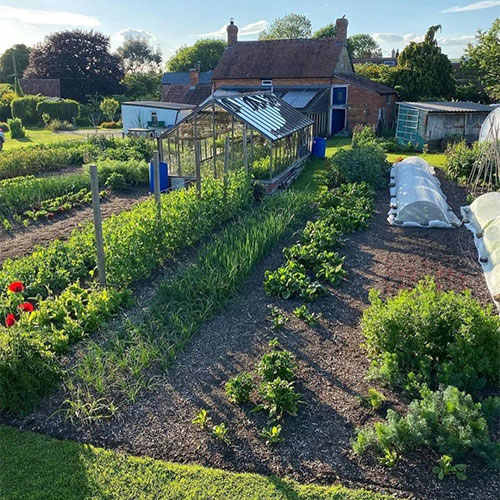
(226, 164)
(99, 243)
(156, 180)
(245, 149)
(197, 154)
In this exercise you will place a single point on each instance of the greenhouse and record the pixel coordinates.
(416, 196)
(257, 132)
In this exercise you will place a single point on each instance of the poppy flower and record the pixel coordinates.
(26, 307)
(16, 287)
(10, 319)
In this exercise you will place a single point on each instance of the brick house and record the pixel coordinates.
(186, 88)
(314, 75)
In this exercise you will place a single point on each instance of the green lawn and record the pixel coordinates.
(434, 159)
(38, 136)
(36, 467)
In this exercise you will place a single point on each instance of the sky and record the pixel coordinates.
(171, 24)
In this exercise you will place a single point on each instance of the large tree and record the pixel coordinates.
(81, 60)
(290, 26)
(482, 60)
(328, 31)
(423, 71)
(363, 45)
(205, 52)
(143, 86)
(138, 56)
(18, 53)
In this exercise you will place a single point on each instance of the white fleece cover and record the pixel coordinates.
(416, 197)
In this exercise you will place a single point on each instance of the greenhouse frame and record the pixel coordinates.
(259, 133)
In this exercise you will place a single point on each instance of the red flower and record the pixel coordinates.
(26, 307)
(16, 287)
(10, 319)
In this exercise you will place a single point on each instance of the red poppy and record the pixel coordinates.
(26, 307)
(16, 287)
(10, 319)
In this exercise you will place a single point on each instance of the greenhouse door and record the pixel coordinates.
(338, 120)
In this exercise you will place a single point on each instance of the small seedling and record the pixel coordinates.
(272, 435)
(445, 468)
(279, 320)
(238, 388)
(390, 458)
(220, 432)
(311, 318)
(375, 398)
(201, 418)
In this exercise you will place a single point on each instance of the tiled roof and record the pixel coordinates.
(186, 94)
(365, 83)
(180, 78)
(267, 59)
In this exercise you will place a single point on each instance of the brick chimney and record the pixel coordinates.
(194, 77)
(342, 24)
(232, 33)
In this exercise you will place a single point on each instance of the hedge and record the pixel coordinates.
(64, 110)
(26, 109)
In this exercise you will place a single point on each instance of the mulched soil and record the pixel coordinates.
(22, 241)
(332, 370)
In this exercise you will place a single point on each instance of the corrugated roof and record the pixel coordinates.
(159, 104)
(266, 113)
(179, 78)
(450, 107)
(267, 59)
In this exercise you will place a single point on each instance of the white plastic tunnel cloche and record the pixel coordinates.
(482, 217)
(416, 196)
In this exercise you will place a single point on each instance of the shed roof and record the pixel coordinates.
(179, 78)
(266, 113)
(159, 104)
(365, 83)
(267, 59)
(450, 107)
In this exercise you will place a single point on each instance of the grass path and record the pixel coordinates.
(38, 136)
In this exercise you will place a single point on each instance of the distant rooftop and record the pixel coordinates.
(450, 107)
(182, 78)
(159, 104)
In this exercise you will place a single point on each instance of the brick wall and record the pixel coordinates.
(50, 87)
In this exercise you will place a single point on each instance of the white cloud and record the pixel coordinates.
(47, 17)
(485, 4)
(248, 29)
(396, 37)
(130, 34)
(459, 40)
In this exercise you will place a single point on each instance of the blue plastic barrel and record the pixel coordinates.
(163, 177)
(319, 147)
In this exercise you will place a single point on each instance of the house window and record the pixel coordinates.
(388, 99)
(154, 118)
(266, 83)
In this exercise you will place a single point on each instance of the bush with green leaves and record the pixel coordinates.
(64, 110)
(17, 131)
(461, 158)
(429, 336)
(278, 363)
(446, 420)
(25, 108)
(363, 163)
(60, 125)
(239, 387)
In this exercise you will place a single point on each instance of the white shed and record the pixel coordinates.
(153, 115)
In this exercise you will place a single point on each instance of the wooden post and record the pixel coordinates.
(197, 152)
(270, 160)
(179, 170)
(245, 149)
(99, 243)
(214, 133)
(226, 164)
(156, 180)
(159, 147)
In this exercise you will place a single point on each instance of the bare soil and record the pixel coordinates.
(22, 241)
(331, 374)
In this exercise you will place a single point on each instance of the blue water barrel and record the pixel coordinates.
(319, 147)
(163, 177)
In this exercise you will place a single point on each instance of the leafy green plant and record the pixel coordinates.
(238, 388)
(279, 319)
(389, 458)
(201, 419)
(279, 397)
(277, 363)
(272, 435)
(375, 398)
(430, 336)
(445, 468)
(461, 158)
(17, 131)
(311, 318)
(220, 432)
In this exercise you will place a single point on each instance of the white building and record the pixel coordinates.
(152, 116)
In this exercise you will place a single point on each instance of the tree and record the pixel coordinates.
(205, 52)
(81, 60)
(143, 86)
(21, 55)
(483, 59)
(363, 45)
(328, 31)
(109, 107)
(290, 26)
(138, 56)
(423, 71)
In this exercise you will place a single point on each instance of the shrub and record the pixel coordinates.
(364, 163)
(56, 125)
(429, 336)
(461, 158)
(25, 108)
(363, 135)
(446, 420)
(238, 388)
(109, 107)
(62, 110)
(17, 131)
(111, 125)
(4, 126)
(277, 363)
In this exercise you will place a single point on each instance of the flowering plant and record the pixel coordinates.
(15, 303)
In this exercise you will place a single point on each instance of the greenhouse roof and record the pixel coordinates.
(266, 113)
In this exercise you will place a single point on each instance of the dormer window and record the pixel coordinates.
(266, 83)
